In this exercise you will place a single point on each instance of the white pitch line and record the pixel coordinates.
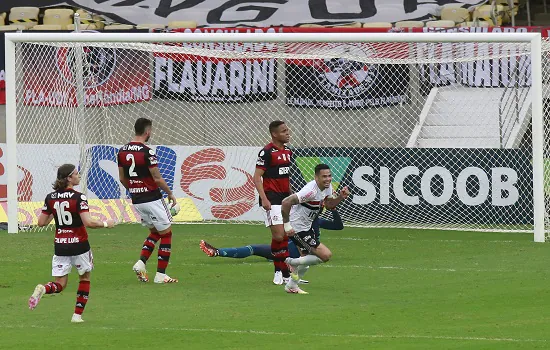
(369, 267)
(328, 335)
(238, 263)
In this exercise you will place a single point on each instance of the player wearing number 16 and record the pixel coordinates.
(69, 209)
(139, 173)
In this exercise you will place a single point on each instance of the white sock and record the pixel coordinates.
(305, 260)
(302, 269)
(291, 284)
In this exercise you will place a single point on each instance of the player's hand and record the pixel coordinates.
(266, 204)
(344, 193)
(290, 233)
(110, 223)
(172, 200)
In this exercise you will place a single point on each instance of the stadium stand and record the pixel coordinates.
(26, 16)
(61, 17)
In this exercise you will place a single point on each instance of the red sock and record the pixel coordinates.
(279, 249)
(149, 246)
(82, 297)
(274, 250)
(53, 287)
(164, 251)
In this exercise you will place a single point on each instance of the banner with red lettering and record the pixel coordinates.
(110, 76)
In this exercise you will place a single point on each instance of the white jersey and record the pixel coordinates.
(311, 199)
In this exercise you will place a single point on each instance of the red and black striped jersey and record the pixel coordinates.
(136, 159)
(71, 237)
(276, 178)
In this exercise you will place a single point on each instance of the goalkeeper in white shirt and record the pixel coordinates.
(299, 210)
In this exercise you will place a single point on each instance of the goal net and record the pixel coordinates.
(425, 130)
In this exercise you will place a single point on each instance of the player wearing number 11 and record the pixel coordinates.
(139, 173)
(69, 209)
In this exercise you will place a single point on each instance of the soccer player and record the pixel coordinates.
(272, 181)
(69, 209)
(264, 250)
(298, 211)
(139, 173)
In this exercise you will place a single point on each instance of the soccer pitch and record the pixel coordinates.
(383, 289)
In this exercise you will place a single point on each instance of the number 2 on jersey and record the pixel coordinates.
(131, 171)
(63, 217)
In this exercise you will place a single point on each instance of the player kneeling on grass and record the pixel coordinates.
(299, 211)
(69, 209)
(264, 250)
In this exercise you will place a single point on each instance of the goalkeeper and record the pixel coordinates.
(264, 250)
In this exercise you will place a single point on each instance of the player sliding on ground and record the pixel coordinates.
(264, 250)
(139, 173)
(298, 211)
(69, 209)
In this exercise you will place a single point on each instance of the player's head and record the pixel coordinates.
(279, 131)
(323, 175)
(143, 127)
(67, 176)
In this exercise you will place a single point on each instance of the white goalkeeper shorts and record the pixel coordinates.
(62, 265)
(273, 216)
(154, 214)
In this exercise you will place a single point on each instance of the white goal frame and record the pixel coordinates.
(533, 39)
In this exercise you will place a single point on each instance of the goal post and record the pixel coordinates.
(423, 169)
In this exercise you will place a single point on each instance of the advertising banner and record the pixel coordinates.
(388, 185)
(234, 78)
(429, 186)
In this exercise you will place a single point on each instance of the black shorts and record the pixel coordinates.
(306, 240)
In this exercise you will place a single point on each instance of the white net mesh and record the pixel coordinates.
(431, 135)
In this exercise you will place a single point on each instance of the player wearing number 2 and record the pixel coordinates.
(139, 173)
(69, 209)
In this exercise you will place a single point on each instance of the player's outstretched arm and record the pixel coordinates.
(332, 201)
(122, 177)
(334, 224)
(288, 202)
(44, 219)
(155, 173)
(258, 173)
(90, 222)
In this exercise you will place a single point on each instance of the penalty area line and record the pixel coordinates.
(325, 335)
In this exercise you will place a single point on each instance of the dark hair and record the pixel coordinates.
(63, 172)
(142, 124)
(274, 125)
(320, 167)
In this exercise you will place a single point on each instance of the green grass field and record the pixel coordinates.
(384, 289)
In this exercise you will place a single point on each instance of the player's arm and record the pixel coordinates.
(332, 201)
(44, 219)
(122, 177)
(261, 165)
(87, 220)
(258, 173)
(159, 180)
(46, 216)
(286, 205)
(334, 224)
(90, 222)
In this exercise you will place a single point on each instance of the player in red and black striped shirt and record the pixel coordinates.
(272, 180)
(69, 209)
(138, 172)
